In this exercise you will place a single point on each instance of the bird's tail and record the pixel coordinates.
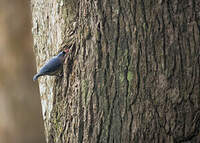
(36, 77)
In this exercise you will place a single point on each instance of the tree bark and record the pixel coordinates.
(133, 74)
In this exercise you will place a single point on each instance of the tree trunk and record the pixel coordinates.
(133, 74)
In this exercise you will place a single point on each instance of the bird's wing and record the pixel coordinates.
(51, 66)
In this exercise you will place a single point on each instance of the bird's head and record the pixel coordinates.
(66, 51)
(63, 54)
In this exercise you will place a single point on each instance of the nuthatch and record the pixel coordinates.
(53, 66)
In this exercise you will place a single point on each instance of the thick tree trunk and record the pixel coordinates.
(133, 74)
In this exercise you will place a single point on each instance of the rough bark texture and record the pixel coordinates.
(133, 74)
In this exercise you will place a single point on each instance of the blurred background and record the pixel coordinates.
(20, 109)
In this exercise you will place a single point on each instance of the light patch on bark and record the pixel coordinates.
(50, 35)
(46, 106)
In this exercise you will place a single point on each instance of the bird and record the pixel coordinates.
(53, 66)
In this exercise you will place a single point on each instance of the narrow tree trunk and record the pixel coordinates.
(133, 74)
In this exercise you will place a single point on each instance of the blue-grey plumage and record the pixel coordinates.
(53, 66)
